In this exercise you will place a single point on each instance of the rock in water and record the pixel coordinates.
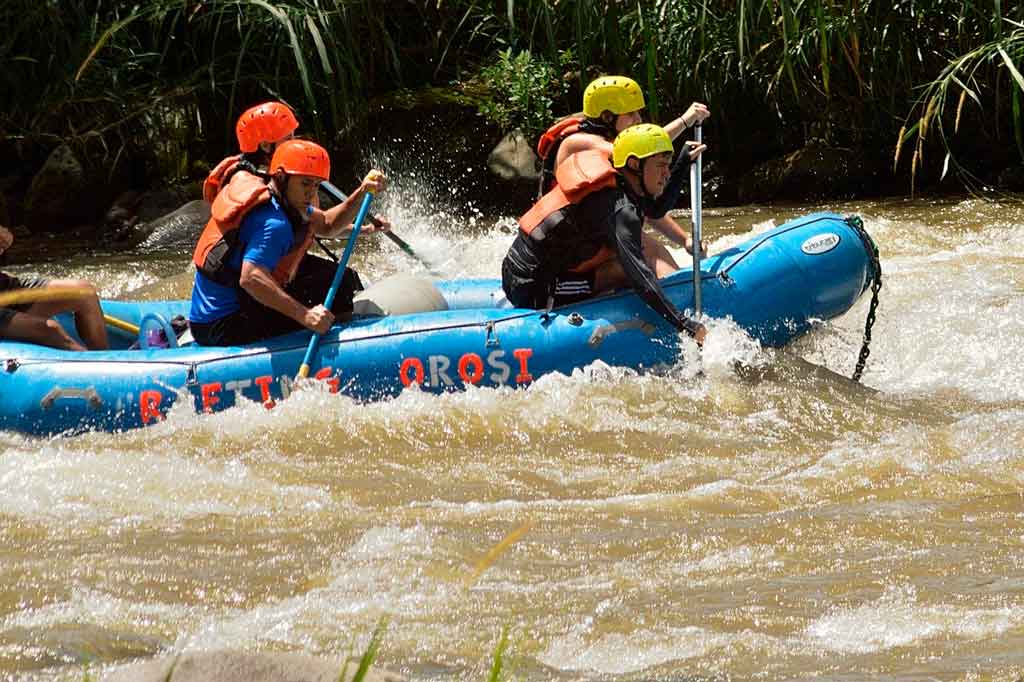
(178, 229)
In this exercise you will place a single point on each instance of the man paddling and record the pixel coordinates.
(253, 277)
(610, 105)
(584, 236)
(31, 321)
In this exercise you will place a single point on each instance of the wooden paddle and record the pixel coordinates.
(123, 325)
(40, 294)
(339, 274)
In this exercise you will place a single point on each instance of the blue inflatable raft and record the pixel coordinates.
(773, 286)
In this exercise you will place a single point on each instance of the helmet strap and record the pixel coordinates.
(643, 180)
(277, 184)
(600, 127)
(299, 225)
(639, 175)
(254, 162)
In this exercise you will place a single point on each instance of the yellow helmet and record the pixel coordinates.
(617, 94)
(641, 141)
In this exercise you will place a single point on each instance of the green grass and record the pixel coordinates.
(498, 658)
(973, 80)
(369, 656)
(164, 80)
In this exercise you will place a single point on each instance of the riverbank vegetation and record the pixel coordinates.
(156, 85)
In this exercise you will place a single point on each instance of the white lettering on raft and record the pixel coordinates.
(470, 369)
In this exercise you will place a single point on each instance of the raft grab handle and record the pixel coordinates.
(56, 393)
(601, 333)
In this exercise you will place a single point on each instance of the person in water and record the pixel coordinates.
(584, 236)
(610, 105)
(254, 278)
(32, 322)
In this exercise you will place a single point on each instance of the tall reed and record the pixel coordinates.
(778, 73)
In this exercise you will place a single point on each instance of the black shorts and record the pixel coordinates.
(9, 283)
(565, 289)
(255, 322)
(573, 287)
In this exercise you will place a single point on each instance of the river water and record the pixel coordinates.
(772, 523)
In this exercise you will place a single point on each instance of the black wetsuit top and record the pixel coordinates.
(611, 217)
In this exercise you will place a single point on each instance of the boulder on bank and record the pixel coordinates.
(54, 200)
(514, 159)
(239, 666)
(1011, 179)
(70, 191)
(813, 172)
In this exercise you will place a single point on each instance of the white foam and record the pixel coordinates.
(619, 653)
(897, 619)
(67, 483)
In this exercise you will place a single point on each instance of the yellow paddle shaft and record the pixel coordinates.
(40, 294)
(123, 325)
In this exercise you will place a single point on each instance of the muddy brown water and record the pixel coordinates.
(773, 524)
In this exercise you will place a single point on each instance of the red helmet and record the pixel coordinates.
(301, 157)
(267, 122)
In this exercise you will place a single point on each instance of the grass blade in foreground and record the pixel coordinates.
(370, 655)
(499, 657)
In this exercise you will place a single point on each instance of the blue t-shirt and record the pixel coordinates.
(264, 238)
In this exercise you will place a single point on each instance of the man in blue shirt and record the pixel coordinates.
(253, 278)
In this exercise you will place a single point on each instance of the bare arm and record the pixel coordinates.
(696, 113)
(581, 142)
(668, 226)
(671, 229)
(334, 221)
(6, 239)
(260, 284)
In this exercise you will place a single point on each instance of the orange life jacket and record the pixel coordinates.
(231, 204)
(547, 150)
(548, 142)
(215, 180)
(577, 177)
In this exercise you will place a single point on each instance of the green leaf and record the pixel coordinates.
(320, 47)
(1011, 67)
(370, 655)
(117, 26)
(498, 660)
(293, 40)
